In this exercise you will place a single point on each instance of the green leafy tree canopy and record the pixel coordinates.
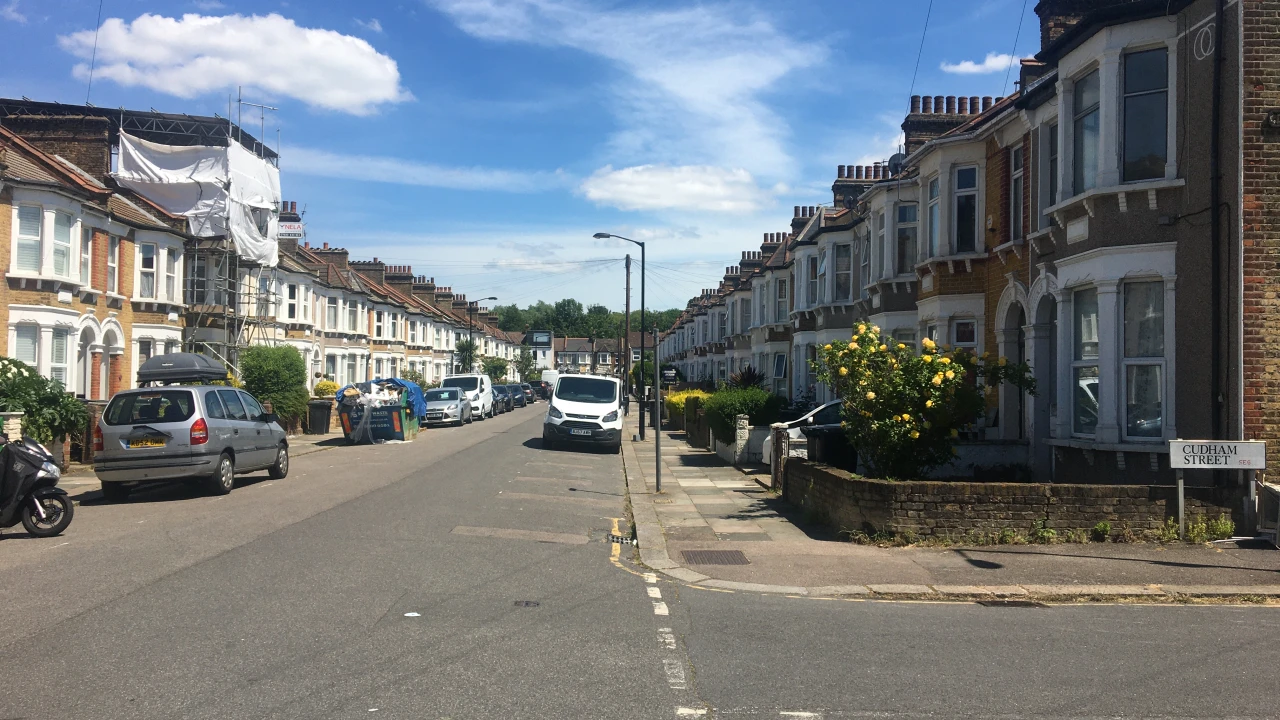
(278, 375)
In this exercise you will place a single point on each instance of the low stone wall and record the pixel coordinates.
(952, 509)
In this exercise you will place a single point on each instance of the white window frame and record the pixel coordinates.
(61, 248)
(291, 301)
(143, 271)
(1095, 362)
(1124, 108)
(957, 193)
(60, 369)
(955, 333)
(934, 195)
(811, 280)
(1085, 181)
(913, 243)
(864, 270)
(86, 255)
(886, 260)
(393, 323)
(1147, 361)
(172, 270)
(353, 317)
(28, 240)
(378, 320)
(782, 301)
(331, 312)
(34, 330)
(835, 269)
(113, 264)
(1017, 193)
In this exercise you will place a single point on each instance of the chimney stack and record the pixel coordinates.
(840, 172)
(796, 212)
(986, 103)
(938, 101)
(962, 105)
(926, 105)
(951, 104)
(973, 105)
(915, 103)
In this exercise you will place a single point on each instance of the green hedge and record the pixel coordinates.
(278, 375)
(762, 406)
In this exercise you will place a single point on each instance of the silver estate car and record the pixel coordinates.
(205, 433)
(447, 405)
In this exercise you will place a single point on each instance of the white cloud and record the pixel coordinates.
(196, 54)
(9, 11)
(995, 62)
(684, 187)
(694, 76)
(372, 25)
(373, 168)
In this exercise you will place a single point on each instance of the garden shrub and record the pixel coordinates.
(762, 406)
(903, 412)
(326, 388)
(277, 375)
(675, 401)
(49, 412)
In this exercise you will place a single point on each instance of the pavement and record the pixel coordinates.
(707, 505)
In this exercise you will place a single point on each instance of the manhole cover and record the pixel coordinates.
(1012, 603)
(714, 557)
(527, 603)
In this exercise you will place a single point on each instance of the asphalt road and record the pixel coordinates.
(400, 581)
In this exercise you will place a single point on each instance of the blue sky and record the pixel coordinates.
(485, 141)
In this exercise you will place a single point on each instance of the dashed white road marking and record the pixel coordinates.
(690, 712)
(675, 674)
(799, 714)
(667, 638)
(413, 614)
(651, 578)
(660, 608)
(654, 592)
(54, 547)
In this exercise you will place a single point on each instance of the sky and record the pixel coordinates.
(484, 142)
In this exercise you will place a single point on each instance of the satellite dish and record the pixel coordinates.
(896, 162)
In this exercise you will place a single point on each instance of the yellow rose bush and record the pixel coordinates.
(903, 415)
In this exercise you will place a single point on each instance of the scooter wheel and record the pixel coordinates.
(58, 511)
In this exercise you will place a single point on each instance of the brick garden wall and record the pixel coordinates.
(952, 509)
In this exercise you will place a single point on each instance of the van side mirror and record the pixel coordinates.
(812, 418)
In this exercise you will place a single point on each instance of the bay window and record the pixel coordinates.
(908, 235)
(395, 326)
(113, 264)
(1144, 359)
(63, 223)
(86, 255)
(812, 281)
(171, 274)
(377, 324)
(781, 308)
(26, 342)
(1146, 114)
(291, 302)
(886, 262)
(822, 275)
(352, 316)
(147, 271)
(145, 351)
(965, 200)
(966, 334)
(331, 313)
(1084, 365)
(1016, 193)
(1085, 129)
(30, 232)
(844, 272)
(934, 217)
(351, 370)
(58, 366)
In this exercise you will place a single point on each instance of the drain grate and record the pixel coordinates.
(714, 557)
(527, 603)
(1012, 603)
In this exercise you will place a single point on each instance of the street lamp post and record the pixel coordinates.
(640, 388)
(471, 328)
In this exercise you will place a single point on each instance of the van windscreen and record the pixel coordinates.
(587, 390)
(465, 383)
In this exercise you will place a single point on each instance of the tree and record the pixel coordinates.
(464, 355)
(495, 368)
(525, 363)
(278, 375)
(643, 369)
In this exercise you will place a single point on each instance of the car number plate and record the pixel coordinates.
(576, 431)
(146, 443)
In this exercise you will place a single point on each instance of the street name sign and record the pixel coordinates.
(1217, 454)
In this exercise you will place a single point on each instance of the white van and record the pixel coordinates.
(479, 390)
(584, 409)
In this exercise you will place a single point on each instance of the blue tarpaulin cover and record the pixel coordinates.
(417, 403)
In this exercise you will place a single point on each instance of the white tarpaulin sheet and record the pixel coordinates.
(220, 190)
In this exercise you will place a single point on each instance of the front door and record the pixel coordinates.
(243, 439)
(264, 448)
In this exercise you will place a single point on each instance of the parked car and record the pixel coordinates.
(584, 409)
(502, 401)
(544, 389)
(517, 395)
(447, 406)
(529, 394)
(479, 390)
(823, 417)
(202, 433)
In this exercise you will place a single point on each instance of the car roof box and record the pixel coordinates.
(181, 367)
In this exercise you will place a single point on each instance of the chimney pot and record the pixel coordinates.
(306, 244)
(986, 103)
(796, 211)
(973, 105)
(962, 105)
(951, 104)
(293, 206)
(926, 105)
(840, 171)
(915, 103)
(858, 172)
(937, 104)
(326, 246)
(999, 98)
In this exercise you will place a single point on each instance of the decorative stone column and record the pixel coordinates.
(12, 425)
(742, 433)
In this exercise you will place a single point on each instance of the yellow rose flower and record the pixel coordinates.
(937, 380)
(928, 343)
(945, 360)
(986, 355)
(1003, 361)
(905, 417)
(862, 329)
(827, 347)
(844, 371)
(915, 434)
(927, 424)
(951, 374)
(901, 346)
(871, 395)
(883, 347)
(927, 358)
(853, 346)
(875, 328)
(955, 433)
(928, 403)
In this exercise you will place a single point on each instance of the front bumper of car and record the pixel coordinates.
(583, 431)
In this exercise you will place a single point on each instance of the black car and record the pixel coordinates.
(529, 394)
(502, 400)
(516, 394)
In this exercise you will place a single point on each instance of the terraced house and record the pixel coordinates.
(1093, 224)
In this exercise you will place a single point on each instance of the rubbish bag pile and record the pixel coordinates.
(391, 392)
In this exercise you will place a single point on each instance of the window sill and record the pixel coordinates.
(967, 258)
(1013, 246)
(1088, 198)
(1159, 446)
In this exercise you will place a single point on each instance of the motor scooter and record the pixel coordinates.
(29, 491)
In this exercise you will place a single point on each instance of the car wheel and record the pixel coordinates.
(281, 468)
(115, 492)
(224, 476)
